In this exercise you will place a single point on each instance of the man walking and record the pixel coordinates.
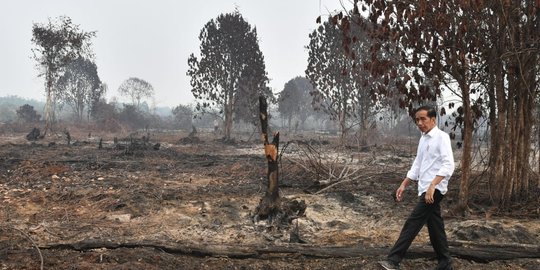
(432, 168)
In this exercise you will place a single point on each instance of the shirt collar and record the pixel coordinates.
(432, 132)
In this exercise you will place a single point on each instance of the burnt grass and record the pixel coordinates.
(204, 192)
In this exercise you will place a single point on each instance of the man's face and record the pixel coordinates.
(423, 121)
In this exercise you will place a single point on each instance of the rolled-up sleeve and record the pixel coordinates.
(447, 157)
(414, 172)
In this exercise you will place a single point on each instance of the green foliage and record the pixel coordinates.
(58, 43)
(326, 63)
(230, 73)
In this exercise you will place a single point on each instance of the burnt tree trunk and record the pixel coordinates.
(269, 205)
(466, 158)
(280, 211)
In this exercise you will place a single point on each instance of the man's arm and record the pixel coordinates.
(411, 174)
(447, 157)
(446, 170)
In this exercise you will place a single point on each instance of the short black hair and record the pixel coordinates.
(431, 112)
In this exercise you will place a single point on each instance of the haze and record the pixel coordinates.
(153, 39)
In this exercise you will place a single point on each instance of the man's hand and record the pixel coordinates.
(401, 189)
(429, 194)
(399, 193)
(431, 189)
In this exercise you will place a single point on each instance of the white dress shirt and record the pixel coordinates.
(433, 157)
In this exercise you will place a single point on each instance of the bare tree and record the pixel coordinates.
(136, 89)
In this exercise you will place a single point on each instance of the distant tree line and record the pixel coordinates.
(227, 77)
(10, 104)
(64, 57)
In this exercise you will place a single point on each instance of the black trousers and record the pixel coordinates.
(429, 214)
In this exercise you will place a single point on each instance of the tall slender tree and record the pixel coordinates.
(342, 89)
(96, 98)
(57, 44)
(512, 53)
(328, 70)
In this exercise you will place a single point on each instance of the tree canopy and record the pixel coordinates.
(230, 73)
(136, 89)
(80, 86)
(342, 89)
(57, 44)
(26, 113)
(183, 116)
(295, 100)
(486, 53)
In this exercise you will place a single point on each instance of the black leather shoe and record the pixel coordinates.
(389, 265)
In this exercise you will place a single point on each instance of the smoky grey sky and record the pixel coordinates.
(152, 40)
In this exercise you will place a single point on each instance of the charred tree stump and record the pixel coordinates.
(68, 137)
(191, 138)
(272, 207)
(34, 135)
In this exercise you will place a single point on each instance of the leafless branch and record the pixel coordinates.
(9, 227)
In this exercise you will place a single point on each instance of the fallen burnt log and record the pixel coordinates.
(464, 250)
(486, 252)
